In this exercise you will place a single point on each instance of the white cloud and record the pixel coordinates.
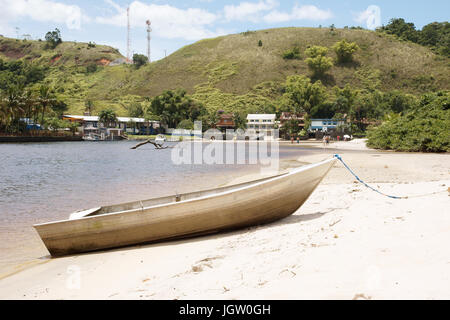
(265, 10)
(307, 12)
(41, 11)
(167, 21)
(248, 11)
(371, 16)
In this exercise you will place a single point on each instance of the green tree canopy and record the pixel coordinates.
(345, 50)
(135, 110)
(108, 117)
(53, 38)
(301, 95)
(402, 29)
(317, 61)
(186, 124)
(174, 106)
(139, 60)
(422, 129)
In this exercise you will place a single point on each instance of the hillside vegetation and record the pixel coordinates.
(240, 72)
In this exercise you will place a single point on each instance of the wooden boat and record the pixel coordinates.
(184, 215)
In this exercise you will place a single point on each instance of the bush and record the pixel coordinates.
(139, 60)
(424, 129)
(91, 68)
(186, 124)
(345, 50)
(317, 61)
(292, 54)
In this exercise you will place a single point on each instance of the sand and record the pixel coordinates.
(346, 242)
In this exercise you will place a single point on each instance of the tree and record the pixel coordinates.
(53, 38)
(260, 44)
(402, 29)
(91, 68)
(89, 106)
(437, 36)
(239, 121)
(135, 110)
(317, 61)
(301, 95)
(345, 50)
(398, 102)
(291, 127)
(186, 124)
(139, 60)
(344, 99)
(11, 109)
(46, 99)
(59, 107)
(108, 117)
(174, 106)
(422, 129)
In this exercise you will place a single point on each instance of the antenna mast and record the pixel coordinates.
(149, 30)
(128, 35)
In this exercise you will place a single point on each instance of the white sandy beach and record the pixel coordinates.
(346, 242)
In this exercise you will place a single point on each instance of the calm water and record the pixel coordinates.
(42, 182)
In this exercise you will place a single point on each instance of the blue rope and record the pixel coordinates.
(357, 178)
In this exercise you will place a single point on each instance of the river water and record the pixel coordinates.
(41, 182)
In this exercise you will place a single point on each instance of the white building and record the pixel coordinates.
(261, 125)
(125, 124)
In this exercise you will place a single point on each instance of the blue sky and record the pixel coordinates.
(177, 23)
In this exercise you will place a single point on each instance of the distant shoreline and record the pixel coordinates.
(39, 139)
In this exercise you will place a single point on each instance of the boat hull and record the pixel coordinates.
(253, 204)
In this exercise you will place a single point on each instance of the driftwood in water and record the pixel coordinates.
(157, 145)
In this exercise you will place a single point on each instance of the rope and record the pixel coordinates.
(365, 184)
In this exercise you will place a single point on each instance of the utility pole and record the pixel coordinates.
(149, 30)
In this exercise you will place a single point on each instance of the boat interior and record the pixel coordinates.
(163, 200)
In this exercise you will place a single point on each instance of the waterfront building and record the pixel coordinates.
(225, 122)
(91, 124)
(325, 125)
(262, 125)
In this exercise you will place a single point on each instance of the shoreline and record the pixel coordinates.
(37, 139)
(345, 242)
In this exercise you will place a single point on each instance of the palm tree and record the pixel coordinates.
(108, 117)
(89, 106)
(12, 108)
(28, 103)
(46, 99)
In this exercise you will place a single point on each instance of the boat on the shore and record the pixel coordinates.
(184, 215)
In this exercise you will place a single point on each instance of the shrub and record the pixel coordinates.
(139, 60)
(317, 61)
(345, 50)
(292, 54)
(186, 124)
(91, 68)
(424, 129)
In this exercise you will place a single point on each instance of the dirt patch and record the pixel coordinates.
(56, 58)
(14, 53)
(103, 62)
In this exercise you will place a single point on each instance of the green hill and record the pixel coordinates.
(232, 72)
